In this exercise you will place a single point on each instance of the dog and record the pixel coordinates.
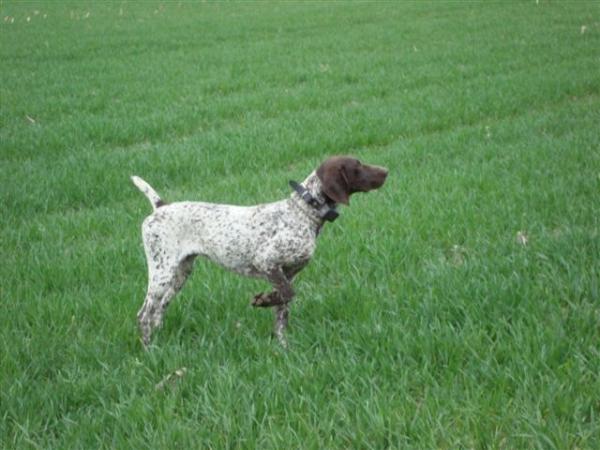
(272, 241)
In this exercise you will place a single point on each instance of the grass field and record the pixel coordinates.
(458, 307)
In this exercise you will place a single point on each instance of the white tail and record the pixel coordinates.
(147, 190)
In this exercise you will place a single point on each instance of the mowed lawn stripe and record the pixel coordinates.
(119, 163)
(436, 61)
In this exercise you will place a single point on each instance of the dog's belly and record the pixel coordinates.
(257, 255)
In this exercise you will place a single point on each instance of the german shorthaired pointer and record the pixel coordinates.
(273, 241)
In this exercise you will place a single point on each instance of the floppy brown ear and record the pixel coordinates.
(335, 183)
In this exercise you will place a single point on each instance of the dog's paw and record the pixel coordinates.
(260, 300)
(263, 300)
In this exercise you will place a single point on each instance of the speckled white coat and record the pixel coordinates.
(250, 240)
(271, 241)
(262, 241)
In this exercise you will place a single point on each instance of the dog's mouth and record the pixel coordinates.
(374, 177)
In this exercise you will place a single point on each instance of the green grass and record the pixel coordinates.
(420, 323)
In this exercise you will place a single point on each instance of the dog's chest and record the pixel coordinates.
(283, 237)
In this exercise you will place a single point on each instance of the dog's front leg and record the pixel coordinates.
(283, 285)
(281, 321)
(281, 294)
(280, 298)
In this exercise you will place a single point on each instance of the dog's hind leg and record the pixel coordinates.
(160, 289)
(163, 285)
(182, 271)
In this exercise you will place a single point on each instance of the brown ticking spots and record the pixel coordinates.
(272, 241)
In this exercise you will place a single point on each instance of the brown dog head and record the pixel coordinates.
(342, 176)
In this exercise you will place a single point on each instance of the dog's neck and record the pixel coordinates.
(311, 199)
(314, 186)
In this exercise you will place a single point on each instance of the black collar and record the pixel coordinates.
(324, 209)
